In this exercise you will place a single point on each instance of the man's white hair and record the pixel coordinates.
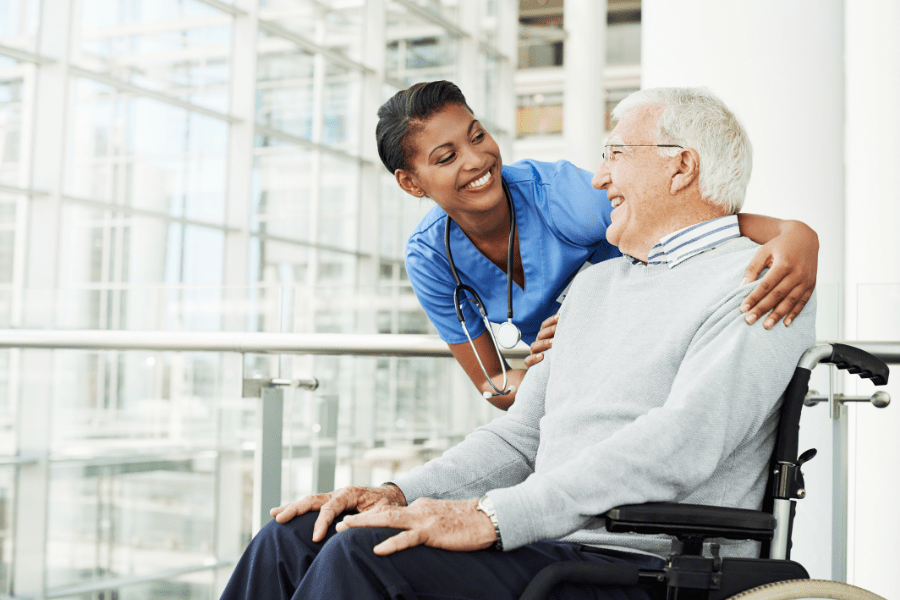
(696, 118)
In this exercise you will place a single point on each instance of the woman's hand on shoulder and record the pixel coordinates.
(543, 341)
(792, 259)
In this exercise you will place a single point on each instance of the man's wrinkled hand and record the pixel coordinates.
(449, 525)
(334, 503)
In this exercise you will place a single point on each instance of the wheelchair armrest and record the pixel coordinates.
(691, 519)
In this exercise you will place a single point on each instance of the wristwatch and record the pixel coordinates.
(487, 507)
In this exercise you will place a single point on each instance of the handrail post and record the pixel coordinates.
(324, 446)
(267, 457)
(840, 486)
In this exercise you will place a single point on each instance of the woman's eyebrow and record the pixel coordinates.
(468, 131)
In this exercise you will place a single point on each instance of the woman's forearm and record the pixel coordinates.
(762, 229)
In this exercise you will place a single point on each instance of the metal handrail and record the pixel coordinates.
(252, 343)
(283, 343)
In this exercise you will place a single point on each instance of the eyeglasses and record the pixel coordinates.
(607, 156)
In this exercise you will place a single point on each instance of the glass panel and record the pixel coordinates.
(7, 496)
(9, 209)
(181, 47)
(446, 9)
(282, 193)
(418, 50)
(339, 203)
(539, 114)
(11, 161)
(341, 125)
(139, 440)
(107, 261)
(19, 24)
(334, 24)
(878, 312)
(541, 41)
(198, 585)
(139, 152)
(623, 44)
(284, 98)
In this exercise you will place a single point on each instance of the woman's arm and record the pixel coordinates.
(790, 249)
(467, 360)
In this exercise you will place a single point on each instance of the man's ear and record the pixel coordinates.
(687, 171)
(408, 183)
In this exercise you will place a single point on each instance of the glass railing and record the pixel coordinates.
(131, 462)
(143, 449)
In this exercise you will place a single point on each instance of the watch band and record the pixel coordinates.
(487, 507)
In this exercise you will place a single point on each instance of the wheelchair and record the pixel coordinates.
(688, 574)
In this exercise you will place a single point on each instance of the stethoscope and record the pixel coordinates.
(508, 334)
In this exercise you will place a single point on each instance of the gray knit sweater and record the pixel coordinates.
(656, 390)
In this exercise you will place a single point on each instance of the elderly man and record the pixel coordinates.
(656, 390)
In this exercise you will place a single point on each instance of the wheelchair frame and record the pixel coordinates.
(688, 575)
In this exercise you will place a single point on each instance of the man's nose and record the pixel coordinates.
(601, 179)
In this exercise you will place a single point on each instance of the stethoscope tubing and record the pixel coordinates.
(461, 287)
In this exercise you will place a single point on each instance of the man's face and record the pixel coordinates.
(637, 182)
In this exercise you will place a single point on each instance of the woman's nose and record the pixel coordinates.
(474, 160)
(601, 177)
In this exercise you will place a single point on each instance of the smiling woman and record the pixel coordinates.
(539, 222)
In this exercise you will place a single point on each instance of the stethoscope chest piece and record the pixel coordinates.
(508, 335)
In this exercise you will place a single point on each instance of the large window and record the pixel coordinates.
(204, 166)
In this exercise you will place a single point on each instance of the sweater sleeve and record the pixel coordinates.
(725, 392)
(499, 454)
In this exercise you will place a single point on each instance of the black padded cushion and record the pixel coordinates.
(694, 519)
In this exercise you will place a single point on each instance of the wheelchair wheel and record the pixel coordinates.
(796, 589)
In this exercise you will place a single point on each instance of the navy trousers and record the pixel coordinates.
(283, 563)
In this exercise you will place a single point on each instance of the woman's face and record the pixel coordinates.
(456, 162)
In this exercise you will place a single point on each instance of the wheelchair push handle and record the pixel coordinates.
(858, 362)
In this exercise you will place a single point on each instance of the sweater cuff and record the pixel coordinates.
(412, 487)
(515, 517)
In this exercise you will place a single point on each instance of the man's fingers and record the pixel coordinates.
(286, 512)
(401, 541)
(381, 516)
(327, 514)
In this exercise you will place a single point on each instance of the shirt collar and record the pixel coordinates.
(683, 244)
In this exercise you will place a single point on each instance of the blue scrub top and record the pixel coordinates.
(562, 223)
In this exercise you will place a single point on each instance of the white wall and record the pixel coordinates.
(872, 274)
(815, 82)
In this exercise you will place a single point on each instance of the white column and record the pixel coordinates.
(872, 268)
(780, 67)
(230, 500)
(584, 95)
(35, 392)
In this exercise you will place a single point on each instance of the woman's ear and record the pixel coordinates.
(408, 183)
(687, 170)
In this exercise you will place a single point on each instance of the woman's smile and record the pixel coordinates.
(480, 182)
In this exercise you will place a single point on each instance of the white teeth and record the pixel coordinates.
(480, 181)
(616, 201)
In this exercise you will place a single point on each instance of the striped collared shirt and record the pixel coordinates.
(695, 239)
